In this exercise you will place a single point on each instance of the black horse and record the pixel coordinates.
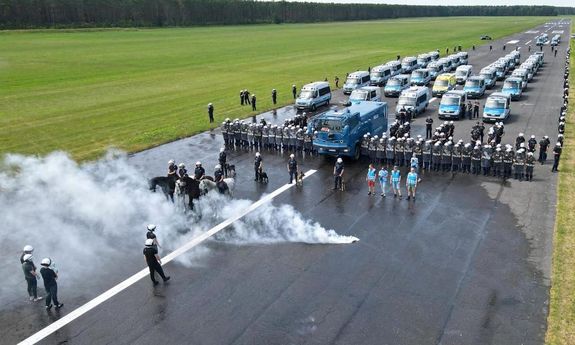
(191, 188)
(166, 183)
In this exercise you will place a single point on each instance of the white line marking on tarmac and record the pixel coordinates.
(513, 42)
(76, 313)
(526, 43)
(558, 32)
(531, 32)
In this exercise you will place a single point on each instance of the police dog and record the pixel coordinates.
(264, 177)
(299, 179)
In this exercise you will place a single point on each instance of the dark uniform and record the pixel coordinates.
(428, 127)
(274, 96)
(498, 162)
(294, 91)
(543, 145)
(486, 159)
(153, 265)
(529, 164)
(199, 172)
(436, 155)
(338, 171)
(390, 151)
(292, 169)
(519, 164)
(254, 103)
(456, 158)
(211, 112)
(476, 160)
(466, 158)
(51, 286)
(28, 267)
(556, 157)
(426, 152)
(222, 159)
(258, 165)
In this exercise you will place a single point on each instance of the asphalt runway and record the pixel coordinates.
(468, 263)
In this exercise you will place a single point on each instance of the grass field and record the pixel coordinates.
(84, 91)
(561, 320)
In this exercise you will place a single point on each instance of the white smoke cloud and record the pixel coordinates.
(81, 214)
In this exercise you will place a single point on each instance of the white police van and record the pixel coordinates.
(355, 80)
(395, 67)
(408, 64)
(416, 99)
(313, 95)
(462, 73)
(366, 93)
(379, 75)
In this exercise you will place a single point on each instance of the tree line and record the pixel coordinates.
(22, 14)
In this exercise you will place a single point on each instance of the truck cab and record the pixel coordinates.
(355, 80)
(474, 87)
(463, 57)
(408, 64)
(530, 68)
(500, 70)
(443, 83)
(313, 95)
(396, 85)
(497, 107)
(434, 55)
(379, 75)
(366, 93)
(513, 87)
(435, 68)
(490, 76)
(420, 77)
(452, 105)
(423, 60)
(340, 131)
(522, 74)
(462, 73)
(416, 99)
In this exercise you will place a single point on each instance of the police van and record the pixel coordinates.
(395, 85)
(434, 55)
(462, 73)
(366, 93)
(474, 87)
(379, 75)
(313, 95)
(556, 40)
(340, 131)
(513, 87)
(497, 107)
(435, 68)
(420, 77)
(395, 67)
(488, 73)
(463, 57)
(452, 105)
(423, 60)
(443, 83)
(446, 63)
(530, 68)
(523, 74)
(416, 99)
(408, 64)
(355, 80)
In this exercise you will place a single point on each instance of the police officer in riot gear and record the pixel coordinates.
(292, 168)
(199, 172)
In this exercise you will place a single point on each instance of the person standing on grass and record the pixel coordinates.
(383, 176)
(211, 112)
(395, 179)
(336, 82)
(370, 178)
(254, 102)
(274, 96)
(411, 184)
(294, 91)
(246, 96)
(31, 277)
(242, 97)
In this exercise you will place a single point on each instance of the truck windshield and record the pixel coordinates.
(510, 85)
(329, 125)
(472, 83)
(419, 74)
(440, 82)
(376, 74)
(352, 80)
(433, 68)
(461, 73)
(406, 100)
(394, 82)
(307, 94)
(421, 61)
(495, 103)
(359, 95)
(453, 100)
(486, 75)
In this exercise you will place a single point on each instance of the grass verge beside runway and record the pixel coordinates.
(85, 90)
(561, 320)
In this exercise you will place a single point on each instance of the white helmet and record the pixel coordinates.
(46, 262)
(339, 160)
(198, 163)
(291, 156)
(210, 104)
(520, 134)
(522, 145)
(171, 162)
(149, 242)
(222, 149)
(450, 122)
(532, 137)
(27, 257)
(257, 154)
(181, 165)
(151, 227)
(28, 249)
(217, 167)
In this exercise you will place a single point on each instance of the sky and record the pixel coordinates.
(563, 3)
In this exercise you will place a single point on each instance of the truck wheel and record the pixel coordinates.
(356, 153)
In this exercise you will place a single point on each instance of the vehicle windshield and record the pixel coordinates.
(359, 94)
(306, 94)
(329, 125)
(453, 100)
(394, 82)
(510, 85)
(472, 83)
(495, 103)
(352, 80)
(421, 61)
(405, 100)
(441, 82)
(418, 74)
(486, 75)
(376, 74)
(433, 68)
(461, 73)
